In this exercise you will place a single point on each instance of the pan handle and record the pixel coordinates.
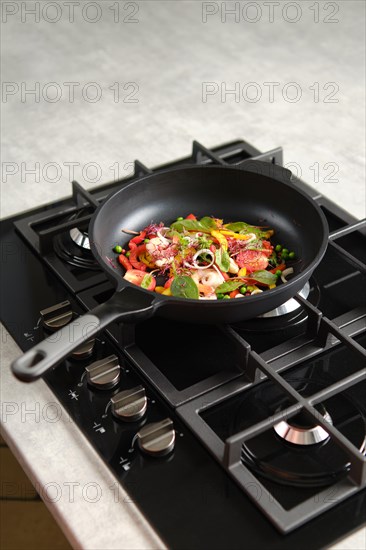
(129, 305)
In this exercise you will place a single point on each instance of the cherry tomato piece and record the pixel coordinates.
(135, 276)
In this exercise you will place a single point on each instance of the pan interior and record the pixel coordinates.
(231, 194)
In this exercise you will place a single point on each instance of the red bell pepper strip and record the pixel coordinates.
(168, 282)
(191, 217)
(137, 240)
(234, 293)
(280, 267)
(124, 261)
(134, 253)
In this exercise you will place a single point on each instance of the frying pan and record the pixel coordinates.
(259, 193)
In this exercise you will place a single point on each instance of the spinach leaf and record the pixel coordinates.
(184, 287)
(242, 227)
(189, 225)
(208, 222)
(204, 225)
(228, 286)
(264, 277)
(222, 259)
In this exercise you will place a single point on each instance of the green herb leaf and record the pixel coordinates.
(189, 225)
(242, 227)
(184, 287)
(146, 281)
(222, 259)
(204, 242)
(264, 277)
(273, 259)
(204, 225)
(228, 286)
(208, 222)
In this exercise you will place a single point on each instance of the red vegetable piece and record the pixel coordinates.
(134, 253)
(139, 238)
(252, 260)
(136, 276)
(280, 267)
(124, 261)
(191, 217)
(169, 282)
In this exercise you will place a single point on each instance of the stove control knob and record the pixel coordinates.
(157, 438)
(104, 374)
(85, 350)
(130, 405)
(57, 316)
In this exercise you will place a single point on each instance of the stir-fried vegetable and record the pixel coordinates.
(205, 259)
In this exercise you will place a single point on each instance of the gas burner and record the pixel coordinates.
(297, 452)
(287, 307)
(280, 324)
(73, 247)
(299, 431)
(80, 238)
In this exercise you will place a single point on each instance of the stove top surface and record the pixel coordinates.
(245, 456)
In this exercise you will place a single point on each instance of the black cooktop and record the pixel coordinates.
(232, 407)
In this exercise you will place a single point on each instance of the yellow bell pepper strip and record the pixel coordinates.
(235, 235)
(221, 238)
(242, 272)
(144, 259)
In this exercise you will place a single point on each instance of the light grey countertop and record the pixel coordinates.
(174, 64)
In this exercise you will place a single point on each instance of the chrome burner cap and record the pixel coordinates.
(80, 238)
(298, 435)
(289, 306)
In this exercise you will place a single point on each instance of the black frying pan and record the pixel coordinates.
(260, 194)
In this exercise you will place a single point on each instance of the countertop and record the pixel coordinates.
(115, 81)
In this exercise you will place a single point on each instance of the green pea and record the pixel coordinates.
(118, 249)
(278, 273)
(146, 241)
(180, 219)
(243, 289)
(292, 255)
(284, 256)
(128, 254)
(220, 296)
(226, 297)
(278, 248)
(284, 251)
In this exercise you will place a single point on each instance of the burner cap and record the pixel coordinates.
(289, 306)
(297, 452)
(80, 238)
(295, 431)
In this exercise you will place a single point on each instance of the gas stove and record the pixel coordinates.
(254, 431)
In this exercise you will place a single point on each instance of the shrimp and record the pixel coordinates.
(207, 277)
